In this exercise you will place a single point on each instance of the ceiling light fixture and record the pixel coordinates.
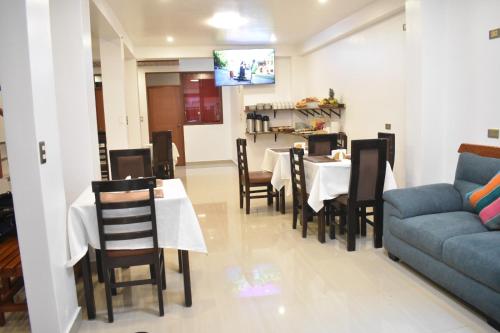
(226, 20)
(195, 80)
(170, 39)
(273, 38)
(322, 1)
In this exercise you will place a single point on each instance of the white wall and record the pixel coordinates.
(367, 72)
(453, 80)
(75, 95)
(28, 88)
(113, 88)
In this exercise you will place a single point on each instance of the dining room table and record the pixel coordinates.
(326, 178)
(177, 226)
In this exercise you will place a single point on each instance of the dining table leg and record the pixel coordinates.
(321, 225)
(88, 286)
(187, 278)
(282, 200)
(179, 260)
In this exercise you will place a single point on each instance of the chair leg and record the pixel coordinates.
(343, 223)
(378, 225)
(241, 197)
(113, 280)
(321, 225)
(247, 202)
(304, 222)
(352, 222)
(363, 221)
(332, 223)
(163, 275)
(158, 278)
(107, 289)
(295, 213)
(152, 272)
(282, 199)
(98, 263)
(270, 195)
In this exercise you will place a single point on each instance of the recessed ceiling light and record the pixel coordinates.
(322, 1)
(273, 38)
(170, 39)
(195, 80)
(226, 20)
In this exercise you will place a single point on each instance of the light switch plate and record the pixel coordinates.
(495, 33)
(43, 153)
(493, 133)
(387, 126)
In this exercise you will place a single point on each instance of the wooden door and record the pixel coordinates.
(165, 113)
(99, 108)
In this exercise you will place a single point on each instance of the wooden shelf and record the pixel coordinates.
(302, 135)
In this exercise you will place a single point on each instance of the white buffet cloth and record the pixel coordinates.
(328, 180)
(176, 220)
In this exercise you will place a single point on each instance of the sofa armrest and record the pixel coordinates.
(423, 200)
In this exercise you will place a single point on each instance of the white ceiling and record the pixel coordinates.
(148, 22)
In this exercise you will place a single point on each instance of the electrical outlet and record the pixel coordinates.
(388, 126)
(493, 133)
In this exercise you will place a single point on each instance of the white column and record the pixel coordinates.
(132, 104)
(75, 98)
(27, 79)
(113, 87)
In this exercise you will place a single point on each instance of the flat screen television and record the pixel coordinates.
(244, 67)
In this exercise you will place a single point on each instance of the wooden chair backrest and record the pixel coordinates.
(130, 162)
(322, 144)
(163, 161)
(391, 146)
(299, 190)
(368, 165)
(241, 151)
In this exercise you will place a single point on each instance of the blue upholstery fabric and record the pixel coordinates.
(423, 200)
(474, 171)
(477, 256)
(477, 294)
(429, 232)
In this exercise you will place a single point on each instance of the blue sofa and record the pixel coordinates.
(433, 229)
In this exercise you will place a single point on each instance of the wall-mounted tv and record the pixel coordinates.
(244, 67)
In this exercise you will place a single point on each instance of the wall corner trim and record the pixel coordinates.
(368, 16)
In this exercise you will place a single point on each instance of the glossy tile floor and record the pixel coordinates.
(261, 276)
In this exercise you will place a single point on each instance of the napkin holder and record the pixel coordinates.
(339, 154)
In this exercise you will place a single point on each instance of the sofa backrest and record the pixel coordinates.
(473, 171)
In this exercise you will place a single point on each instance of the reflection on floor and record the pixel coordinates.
(261, 276)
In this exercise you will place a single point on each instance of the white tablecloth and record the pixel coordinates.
(177, 224)
(278, 163)
(324, 181)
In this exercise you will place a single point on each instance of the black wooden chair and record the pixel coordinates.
(106, 202)
(130, 162)
(300, 196)
(366, 185)
(253, 179)
(391, 146)
(103, 155)
(342, 141)
(163, 162)
(322, 144)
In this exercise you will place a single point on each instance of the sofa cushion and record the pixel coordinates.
(474, 171)
(485, 195)
(429, 232)
(476, 256)
(490, 215)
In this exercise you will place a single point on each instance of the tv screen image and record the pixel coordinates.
(244, 67)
